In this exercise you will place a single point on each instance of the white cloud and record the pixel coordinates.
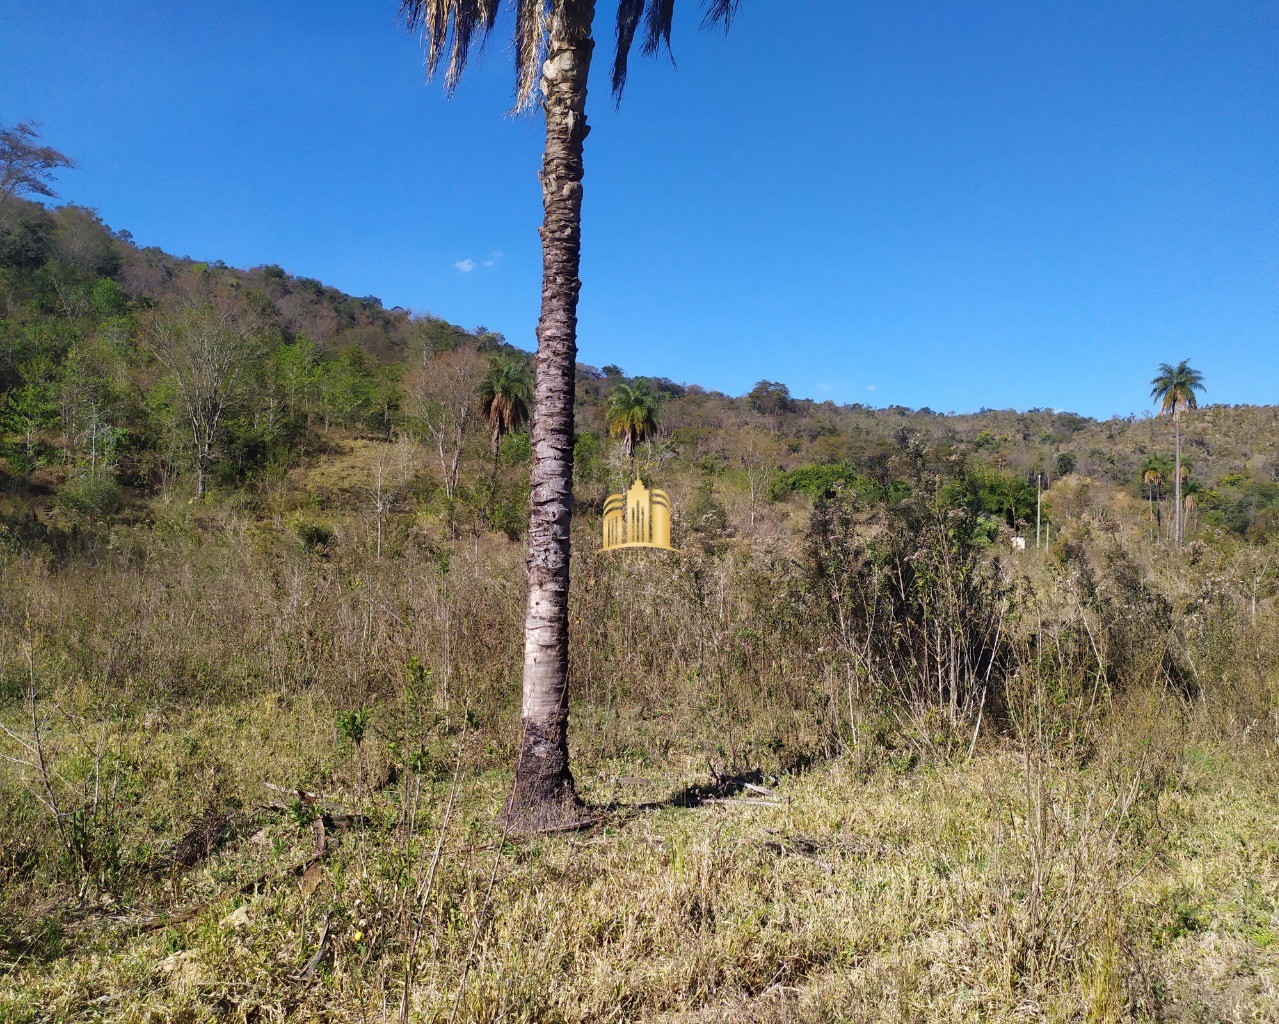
(824, 387)
(465, 266)
(871, 387)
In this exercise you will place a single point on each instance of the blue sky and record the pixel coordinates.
(1005, 204)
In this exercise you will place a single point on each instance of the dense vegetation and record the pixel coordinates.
(862, 759)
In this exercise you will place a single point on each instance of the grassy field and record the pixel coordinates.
(1006, 886)
(252, 772)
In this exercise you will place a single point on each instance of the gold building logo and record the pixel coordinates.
(640, 518)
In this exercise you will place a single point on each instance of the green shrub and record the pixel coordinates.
(92, 495)
(315, 535)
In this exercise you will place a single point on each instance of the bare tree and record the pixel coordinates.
(758, 453)
(208, 350)
(1255, 567)
(441, 399)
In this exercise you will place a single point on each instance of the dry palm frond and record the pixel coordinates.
(530, 47)
(449, 26)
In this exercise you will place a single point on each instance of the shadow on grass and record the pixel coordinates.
(721, 787)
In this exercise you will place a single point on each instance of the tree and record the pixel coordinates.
(26, 235)
(297, 372)
(207, 350)
(1256, 567)
(441, 396)
(1153, 472)
(556, 38)
(631, 414)
(1173, 388)
(83, 241)
(758, 453)
(26, 167)
(770, 397)
(506, 396)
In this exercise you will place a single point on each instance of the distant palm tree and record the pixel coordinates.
(552, 44)
(506, 398)
(1174, 389)
(1153, 471)
(1190, 502)
(631, 414)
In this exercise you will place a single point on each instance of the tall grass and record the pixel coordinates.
(995, 786)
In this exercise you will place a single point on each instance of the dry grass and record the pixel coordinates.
(1108, 851)
(1005, 888)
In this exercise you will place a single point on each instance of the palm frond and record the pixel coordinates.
(658, 26)
(530, 48)
(658, 17)
(628, 19)
(449, 27)
(506, 395)
(631, 413)
(1174, 387)
(719, 12)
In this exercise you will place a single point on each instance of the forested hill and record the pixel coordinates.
(126, 372)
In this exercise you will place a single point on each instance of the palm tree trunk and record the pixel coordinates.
(1176, 480)
(543, 793)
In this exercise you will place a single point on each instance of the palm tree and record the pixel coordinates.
(506, 396)
(1174, 389)
(1152, 475)
(1190, 502)
(631, 414)
(553, 38)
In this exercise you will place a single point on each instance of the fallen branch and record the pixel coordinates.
(337, 818)
(318, 955)
(728, 801)
(312, 799)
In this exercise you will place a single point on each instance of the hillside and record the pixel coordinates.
(88, 402)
